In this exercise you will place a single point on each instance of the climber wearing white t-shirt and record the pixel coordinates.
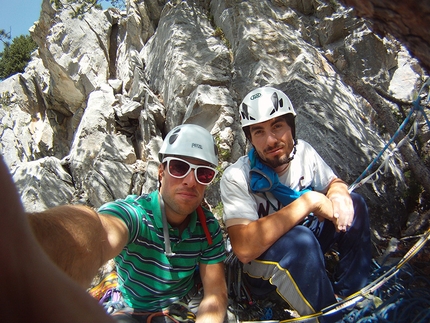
(284, 208)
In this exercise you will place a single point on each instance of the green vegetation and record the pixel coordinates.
(223, 153)
(220, 34)
(4, 37)
(80, 7)
(218, 211)
(16, 56)
(5, 99)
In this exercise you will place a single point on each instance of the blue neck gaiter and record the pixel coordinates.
(265, 179)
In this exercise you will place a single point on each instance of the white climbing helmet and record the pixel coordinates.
(190, 140)
(263, 104)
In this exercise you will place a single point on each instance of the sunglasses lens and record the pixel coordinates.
(178, 168)
(205, 175)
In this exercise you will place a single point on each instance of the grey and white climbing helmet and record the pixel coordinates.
(263, 104)
(190, 140)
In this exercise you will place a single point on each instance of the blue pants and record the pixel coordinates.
(294, 265)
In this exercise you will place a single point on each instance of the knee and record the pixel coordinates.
(302, 238)
(299, 241)
(359, 203)
(360, 206)
(361, 223)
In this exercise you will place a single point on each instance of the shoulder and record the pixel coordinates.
(240, 169)
(134, 211)
(305, 149)
(130, 204)
(304, 145)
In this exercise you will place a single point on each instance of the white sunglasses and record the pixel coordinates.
(180, 168)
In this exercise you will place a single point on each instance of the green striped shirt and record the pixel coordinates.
(147, 278)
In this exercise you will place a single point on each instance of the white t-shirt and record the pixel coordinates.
(241, 206)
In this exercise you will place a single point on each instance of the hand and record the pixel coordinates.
(319, 205)
(343, 211)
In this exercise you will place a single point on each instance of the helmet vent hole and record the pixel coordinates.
(174, 136)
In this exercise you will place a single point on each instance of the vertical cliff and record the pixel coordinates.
(85, 121)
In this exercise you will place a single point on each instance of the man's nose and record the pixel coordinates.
(190, 179)
(271, 138)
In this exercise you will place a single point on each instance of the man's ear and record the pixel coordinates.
(160, 174)
(160, 171)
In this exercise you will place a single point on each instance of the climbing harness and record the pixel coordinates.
(176, 313)
(109, 296)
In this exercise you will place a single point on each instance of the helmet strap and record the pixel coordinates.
(293, 152)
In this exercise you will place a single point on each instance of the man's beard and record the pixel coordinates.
(277, 161)
(281, 160)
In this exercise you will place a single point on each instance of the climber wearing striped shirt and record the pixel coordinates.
(162, 242)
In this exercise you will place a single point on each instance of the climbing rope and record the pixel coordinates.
(366, 291)
(368, 305)
(419, 110)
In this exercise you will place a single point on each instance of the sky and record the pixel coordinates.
(17, 16)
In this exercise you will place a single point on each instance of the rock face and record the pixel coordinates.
(406, 20)
(84, 123)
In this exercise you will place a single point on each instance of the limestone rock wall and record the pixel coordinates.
(84, 123)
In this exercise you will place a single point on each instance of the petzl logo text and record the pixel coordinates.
(255, 96)
(196, 146)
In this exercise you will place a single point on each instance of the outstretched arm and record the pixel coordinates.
(27, 274)
(213, 306)
(78, 239)
(250, 240)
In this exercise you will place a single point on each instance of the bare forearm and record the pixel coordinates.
(337, 187)
(213, 306)
(267, 230)
(73, 238)
(251, 240)
(50, 296)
